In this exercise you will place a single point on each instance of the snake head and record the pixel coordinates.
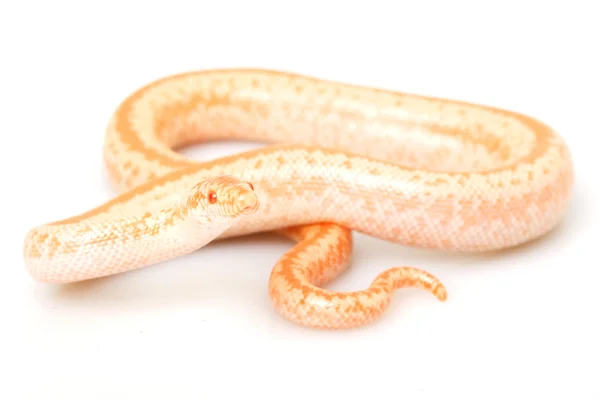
(222, 198)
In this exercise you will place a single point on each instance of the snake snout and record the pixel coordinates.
(245, 200)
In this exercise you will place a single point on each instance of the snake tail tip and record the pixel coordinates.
(441, 293)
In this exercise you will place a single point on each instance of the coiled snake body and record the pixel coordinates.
(410, 169)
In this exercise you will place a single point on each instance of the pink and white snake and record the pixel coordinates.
(414, 170)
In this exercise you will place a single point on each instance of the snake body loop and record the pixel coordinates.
(414, 170)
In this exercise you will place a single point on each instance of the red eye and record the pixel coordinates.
(251, 186)
(212, 197)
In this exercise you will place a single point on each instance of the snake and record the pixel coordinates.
(337, 158)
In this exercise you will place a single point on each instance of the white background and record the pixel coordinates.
(519, 323)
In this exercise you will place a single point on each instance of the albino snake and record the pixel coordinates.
(410, 169)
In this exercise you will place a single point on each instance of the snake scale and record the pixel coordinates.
(414, 170)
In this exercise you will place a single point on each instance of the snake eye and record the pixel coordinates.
(251, 185)
(212, 197)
